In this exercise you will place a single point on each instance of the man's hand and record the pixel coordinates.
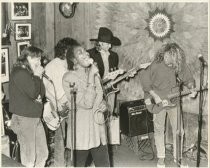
(39, 99)
(157, 99)
(193, 93)
(38, 71)
(155, 96)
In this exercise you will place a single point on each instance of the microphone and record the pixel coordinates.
(47, 77)
(200, 57)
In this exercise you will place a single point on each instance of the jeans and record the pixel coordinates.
(59, 158)
(32, 139)
(100, 156)
(159, 125)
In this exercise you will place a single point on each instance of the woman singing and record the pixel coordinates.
(26, 91)
(90, 134)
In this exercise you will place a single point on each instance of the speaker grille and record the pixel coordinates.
(135, 118)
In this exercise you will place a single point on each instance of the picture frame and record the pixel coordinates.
(22, 31)
(21, 45)
(4, 65)
(20, 10)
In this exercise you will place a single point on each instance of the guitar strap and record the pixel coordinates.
(105, 97)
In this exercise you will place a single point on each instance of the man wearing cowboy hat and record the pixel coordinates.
(106, 59)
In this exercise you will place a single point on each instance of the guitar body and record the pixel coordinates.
(51, 117)
(168, 101)
(156, 108)
(111, 90)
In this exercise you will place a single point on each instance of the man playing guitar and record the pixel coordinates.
(158, 81)
(107, 60)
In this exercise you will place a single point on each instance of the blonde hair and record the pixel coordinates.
(176, 53)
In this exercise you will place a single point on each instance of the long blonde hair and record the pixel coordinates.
(176, 53)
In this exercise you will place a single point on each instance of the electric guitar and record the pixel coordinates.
(166, 100)
(53, 118)
(109, 86)
(112, 75)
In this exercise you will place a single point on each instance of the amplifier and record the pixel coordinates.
(135, 118)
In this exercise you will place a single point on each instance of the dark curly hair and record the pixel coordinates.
(62, 46)
(70, 55)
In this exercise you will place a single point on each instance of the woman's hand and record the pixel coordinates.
(102, 107)
(93, 69)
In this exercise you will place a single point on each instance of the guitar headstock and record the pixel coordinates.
(133, 71)
(145, 65)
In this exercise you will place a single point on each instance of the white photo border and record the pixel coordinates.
(21, 43)
(5, 77)
(13, 17)
(16, 31)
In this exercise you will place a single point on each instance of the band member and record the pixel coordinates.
(55, 70)
(90, 132)
(107, 60)
(160, 79)
(26, 91)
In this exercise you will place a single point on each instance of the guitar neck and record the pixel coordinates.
(183, 93)
(120, 78)
(136, 69)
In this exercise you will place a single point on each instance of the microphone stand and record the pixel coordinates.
(179, 118)
(73, 91)
(200, 112)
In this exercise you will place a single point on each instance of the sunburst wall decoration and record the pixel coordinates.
(159, 24)
(183, 23)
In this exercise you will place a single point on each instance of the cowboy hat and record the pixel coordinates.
(106, 35)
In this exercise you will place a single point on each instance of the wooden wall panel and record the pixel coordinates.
(50, 30)
(38, 25)
(79, 27)
(38, 33)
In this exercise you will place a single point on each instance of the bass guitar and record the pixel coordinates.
(167, 100)
(109, 86)
(52, 117)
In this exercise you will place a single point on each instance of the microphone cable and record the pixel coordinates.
(107, 104)
(56, 109)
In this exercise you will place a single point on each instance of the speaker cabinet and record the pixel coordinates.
(135, 118)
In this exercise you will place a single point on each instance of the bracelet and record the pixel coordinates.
(92, 85)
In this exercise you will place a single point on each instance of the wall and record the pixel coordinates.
(128, 22)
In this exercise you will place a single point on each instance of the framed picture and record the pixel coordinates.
(22, 31)
(21, 46)
(4, 65)
(21, 11)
